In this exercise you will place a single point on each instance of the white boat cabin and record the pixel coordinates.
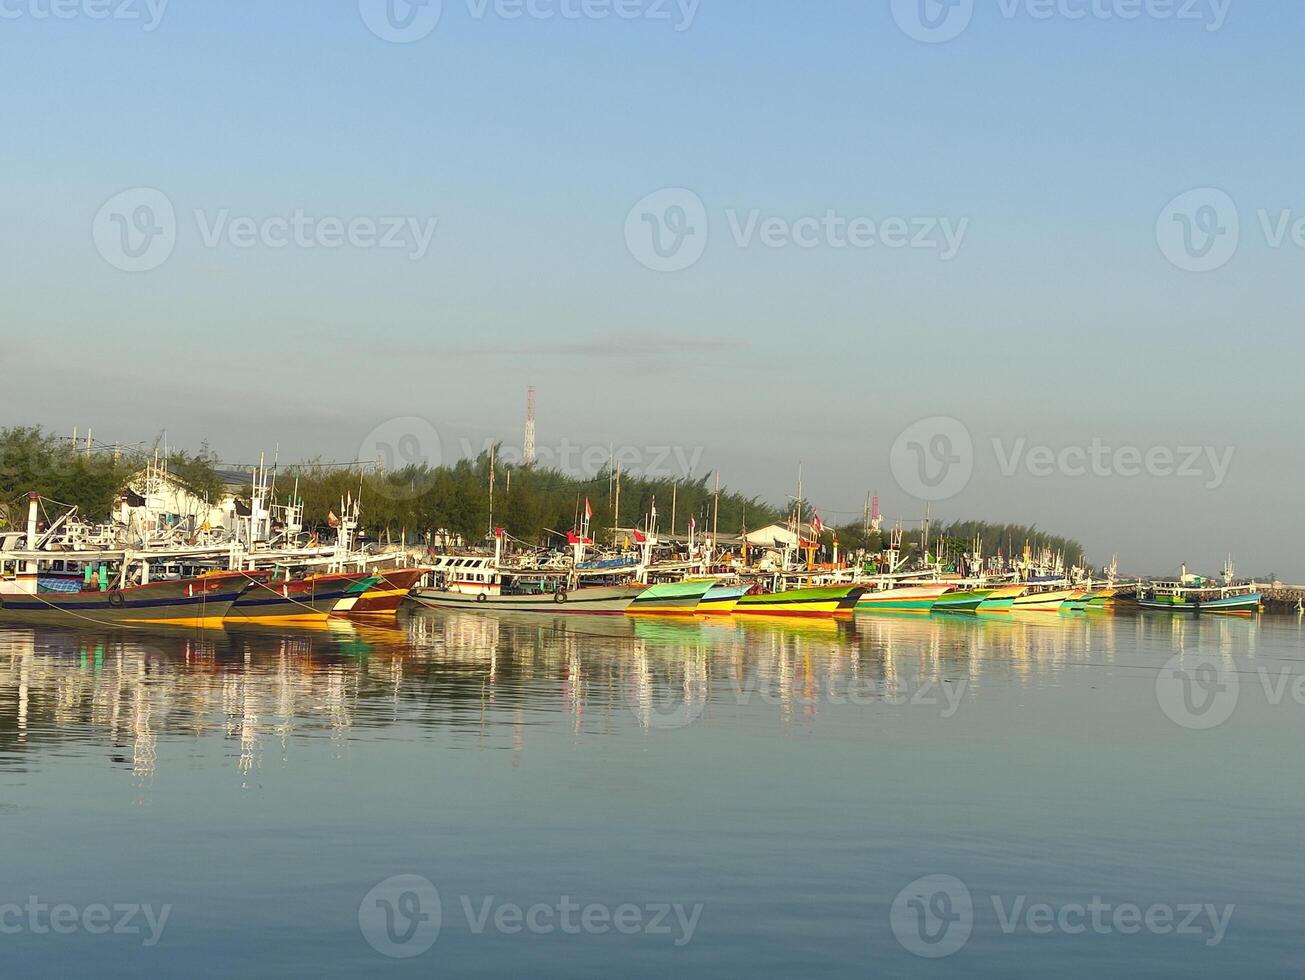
(469, 574)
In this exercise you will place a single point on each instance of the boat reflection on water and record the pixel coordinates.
(258, 689)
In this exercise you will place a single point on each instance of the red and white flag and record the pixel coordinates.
(589, 511)
(817, 527)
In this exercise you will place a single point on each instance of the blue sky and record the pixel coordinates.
(1056, 143)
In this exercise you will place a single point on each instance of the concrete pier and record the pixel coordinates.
(1283, 598)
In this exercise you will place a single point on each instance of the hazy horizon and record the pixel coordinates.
(1029, 267)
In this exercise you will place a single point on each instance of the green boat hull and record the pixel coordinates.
(967, 601)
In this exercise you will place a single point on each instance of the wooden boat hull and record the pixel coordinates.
(919, 598)
(721, 600)
(963, 600)
(197, 602)
(306, 600)
(1043, 601)
(599, 600)
(1237, 605)
(1001, 599)
(831, 601)
(385, 597)
(1102, 599)
(671, 599)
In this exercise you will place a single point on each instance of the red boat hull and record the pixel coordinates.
(385, 597)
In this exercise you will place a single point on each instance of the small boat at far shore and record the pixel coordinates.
(1235, 600)
(1198, 594)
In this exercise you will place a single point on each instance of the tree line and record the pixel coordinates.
(535, 505)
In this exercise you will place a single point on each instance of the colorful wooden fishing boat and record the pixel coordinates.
(1100, 599)
(671, 598)
(193, 602)
(720, 600)
(834, 600)
(1077, 601)
(1050, 600)
(590, 600)
(1001, 598)
(384, 598)
(898, 598)
(1236, 600)
(961, 600)
(309, 599)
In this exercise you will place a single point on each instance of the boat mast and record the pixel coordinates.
(616, 510)
(715, 519)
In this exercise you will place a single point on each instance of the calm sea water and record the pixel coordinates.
(466, 795)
